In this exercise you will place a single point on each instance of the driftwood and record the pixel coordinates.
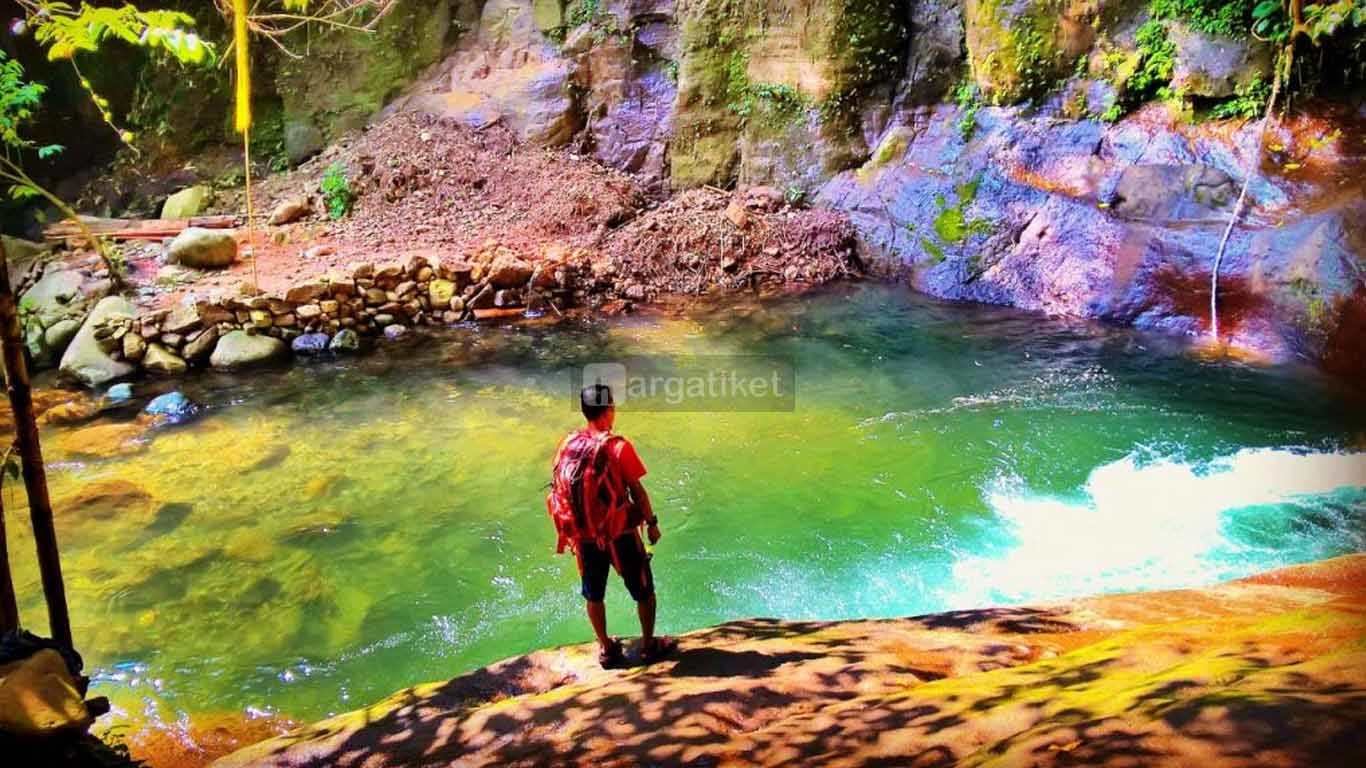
(137, 229)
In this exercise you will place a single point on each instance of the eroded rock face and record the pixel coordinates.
(1216, 67)
(1122, 222)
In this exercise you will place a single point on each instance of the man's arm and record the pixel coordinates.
(642, 501)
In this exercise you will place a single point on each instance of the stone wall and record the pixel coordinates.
(336, 312)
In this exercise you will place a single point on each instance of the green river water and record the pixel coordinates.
(328, 533)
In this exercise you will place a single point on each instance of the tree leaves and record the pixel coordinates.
(66, 31)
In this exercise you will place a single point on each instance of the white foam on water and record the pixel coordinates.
(1145, 525)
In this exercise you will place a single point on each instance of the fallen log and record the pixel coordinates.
(137, 229)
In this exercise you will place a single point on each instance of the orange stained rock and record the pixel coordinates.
(1265, 671)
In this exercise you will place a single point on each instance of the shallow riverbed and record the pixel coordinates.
(323, 535)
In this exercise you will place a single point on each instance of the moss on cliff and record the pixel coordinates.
(1015, 48)
(347, 77)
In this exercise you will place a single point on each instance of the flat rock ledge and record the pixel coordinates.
(1266, 671)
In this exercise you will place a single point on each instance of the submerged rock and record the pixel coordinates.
(238, 349)
(105, 500)
(103, 441)
(395, 332)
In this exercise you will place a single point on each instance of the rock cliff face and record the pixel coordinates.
(1267, 672)
(1035, 203)
(989, 150)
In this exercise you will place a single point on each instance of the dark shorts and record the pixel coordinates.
(631, 563)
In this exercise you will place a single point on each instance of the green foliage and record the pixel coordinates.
(1326, 19)
(18, 100)
(968, 99)
(1230, 18)
(869, 37)
(1157, 60)
(1269, 21)
(1249, 102)
(66, 31)
(583, 12)
(952, 224)
(779, 104)
(336, 189)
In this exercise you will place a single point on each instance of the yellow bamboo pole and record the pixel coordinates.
(243, 115)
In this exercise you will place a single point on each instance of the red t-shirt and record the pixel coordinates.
(627, 462)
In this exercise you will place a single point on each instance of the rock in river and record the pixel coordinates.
(162, 361)
(174, 406)
(203, 248)
(84, 360)
(237, 349)
(346, 340)
(310, 344)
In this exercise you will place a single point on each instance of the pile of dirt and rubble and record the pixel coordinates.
(422, 184)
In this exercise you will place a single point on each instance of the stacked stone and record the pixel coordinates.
(335, 311)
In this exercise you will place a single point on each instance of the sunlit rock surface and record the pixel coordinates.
(1264, 671)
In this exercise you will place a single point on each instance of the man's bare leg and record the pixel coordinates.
(597, 616)
(645, 609)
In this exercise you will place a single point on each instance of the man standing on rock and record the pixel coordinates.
(598, 506)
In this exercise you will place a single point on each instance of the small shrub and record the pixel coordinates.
(336, 189)
(1249, 102)
(966, 96)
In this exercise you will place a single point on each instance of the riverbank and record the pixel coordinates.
(1267, 671)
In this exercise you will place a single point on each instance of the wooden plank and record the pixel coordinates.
(138, 229)
(499, 314)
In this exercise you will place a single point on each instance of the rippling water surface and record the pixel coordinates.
(326, 534)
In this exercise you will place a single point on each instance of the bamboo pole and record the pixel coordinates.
(9, 607)
(31, 456)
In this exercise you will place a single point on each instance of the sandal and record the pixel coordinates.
(612, 656)
(661, 648)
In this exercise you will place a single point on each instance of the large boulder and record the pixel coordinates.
(187, 203)
(203, 248)
(238, 349)
(1216, 67)
(39, 698)
(52, 311)
(84, 360)
(302, 139)
(1161, 193)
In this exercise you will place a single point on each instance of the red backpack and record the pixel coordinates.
(587, 500)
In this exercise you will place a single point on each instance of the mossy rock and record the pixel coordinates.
(1021, 49)
(348, 77)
